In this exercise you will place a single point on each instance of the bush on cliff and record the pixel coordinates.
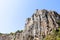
(54, 36)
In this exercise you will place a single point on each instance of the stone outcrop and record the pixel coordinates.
(40, 24)
(37, 27)
(11, 36)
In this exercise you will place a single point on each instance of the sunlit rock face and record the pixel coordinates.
(6, 37)
(41, 23)
(15, 36)
(18, 36)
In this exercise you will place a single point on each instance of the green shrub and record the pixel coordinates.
(0, 33)
(58, 22)
(12, 33)
(20, 31)
(54, 36)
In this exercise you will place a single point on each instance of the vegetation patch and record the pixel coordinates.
(58, 22)
(53, 36)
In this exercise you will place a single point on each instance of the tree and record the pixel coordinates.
(20, 31)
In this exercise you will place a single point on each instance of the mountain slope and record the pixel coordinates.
(37, 27)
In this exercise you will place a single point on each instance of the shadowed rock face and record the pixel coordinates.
(37, 27)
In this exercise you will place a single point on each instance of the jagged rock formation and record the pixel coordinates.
(11, 36)
(37, 27)
(40, 24)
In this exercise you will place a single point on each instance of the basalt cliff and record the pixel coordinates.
(40, 24)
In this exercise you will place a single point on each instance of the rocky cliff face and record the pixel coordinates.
(37, 27)
(11, 36)
(40, 24)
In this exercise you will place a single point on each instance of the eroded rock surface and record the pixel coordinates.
(40, 24)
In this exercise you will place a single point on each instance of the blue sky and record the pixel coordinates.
(13, 13)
